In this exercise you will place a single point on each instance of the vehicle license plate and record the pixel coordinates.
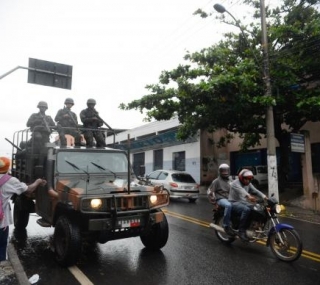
(131, 223)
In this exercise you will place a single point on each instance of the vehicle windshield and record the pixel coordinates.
(91, 162)
(181, 177)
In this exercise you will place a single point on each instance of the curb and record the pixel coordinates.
(17, 266)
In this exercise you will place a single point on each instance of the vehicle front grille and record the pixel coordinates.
(122, 203)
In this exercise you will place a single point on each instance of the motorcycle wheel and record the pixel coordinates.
(290, 248)
(223, 237)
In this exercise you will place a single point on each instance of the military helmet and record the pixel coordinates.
(42, 104)
(91, 101)
(69, 101)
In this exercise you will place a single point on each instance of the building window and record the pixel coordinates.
(157, 159)
(179, 161)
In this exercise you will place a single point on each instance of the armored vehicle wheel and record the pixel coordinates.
(157, 236)
(66, 241)
(20, 214)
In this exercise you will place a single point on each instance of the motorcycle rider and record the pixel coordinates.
(240, 196)
(218, 192)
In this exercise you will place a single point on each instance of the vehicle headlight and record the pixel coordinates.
(278, 209)
(153, 199)
(96, 204)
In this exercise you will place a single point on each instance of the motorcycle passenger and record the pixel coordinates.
(240, 195)
(218, 192)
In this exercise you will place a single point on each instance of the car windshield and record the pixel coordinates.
(182, 177)
(91, 162)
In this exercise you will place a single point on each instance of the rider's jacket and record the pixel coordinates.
(219, 188)
(238, 192)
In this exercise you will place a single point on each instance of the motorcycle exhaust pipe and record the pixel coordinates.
(217, 228)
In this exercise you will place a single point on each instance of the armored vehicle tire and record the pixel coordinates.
(66, 241)
(20, 214)
(157, 236)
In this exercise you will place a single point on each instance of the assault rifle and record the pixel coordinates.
(96, 114)
(73, 120)
(14, 145)
(45, 123)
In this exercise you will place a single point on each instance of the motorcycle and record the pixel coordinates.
(263, 224)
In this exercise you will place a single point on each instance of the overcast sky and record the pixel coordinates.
(115, 47)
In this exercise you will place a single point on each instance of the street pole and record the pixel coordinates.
(271, 147)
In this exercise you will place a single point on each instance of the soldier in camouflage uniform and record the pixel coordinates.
(69, 123)
(91, 120)
(40, 124)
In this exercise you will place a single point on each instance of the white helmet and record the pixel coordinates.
(224, 170)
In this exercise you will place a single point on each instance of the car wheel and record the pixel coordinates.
(157, 236)
(192, 200)
(66, 241)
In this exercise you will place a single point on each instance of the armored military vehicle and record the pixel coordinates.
(92, 195)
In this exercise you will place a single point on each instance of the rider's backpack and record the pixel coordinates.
(3, 180)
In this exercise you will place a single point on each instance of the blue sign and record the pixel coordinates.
(297, 143)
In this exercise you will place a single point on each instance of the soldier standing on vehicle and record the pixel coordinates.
(218, 192)
(92, 122)
(10, 186)
(40, 124)
(69, 123)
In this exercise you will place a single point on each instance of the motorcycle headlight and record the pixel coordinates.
(278, 209)
(96, 204)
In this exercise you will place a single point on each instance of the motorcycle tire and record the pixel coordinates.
(223, 237)
(286, 245)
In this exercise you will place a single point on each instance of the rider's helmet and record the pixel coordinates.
(224, 170)
(91, 102)
(42, 104)
(69, 101)
(245, 176)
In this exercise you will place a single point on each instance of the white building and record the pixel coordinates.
(154, 146)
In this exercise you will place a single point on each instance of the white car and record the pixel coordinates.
(180, 184)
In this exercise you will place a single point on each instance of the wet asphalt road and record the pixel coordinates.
(193, 255)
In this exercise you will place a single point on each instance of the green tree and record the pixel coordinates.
(222, 86)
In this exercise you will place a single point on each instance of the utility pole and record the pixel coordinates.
(271, 147)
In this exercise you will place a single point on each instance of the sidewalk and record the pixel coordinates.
(12, 272)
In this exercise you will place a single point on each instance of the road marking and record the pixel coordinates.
(79, 275)
(307, 254)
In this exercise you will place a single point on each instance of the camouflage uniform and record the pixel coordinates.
(91, 122)
(69, 123)
(40, 131)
